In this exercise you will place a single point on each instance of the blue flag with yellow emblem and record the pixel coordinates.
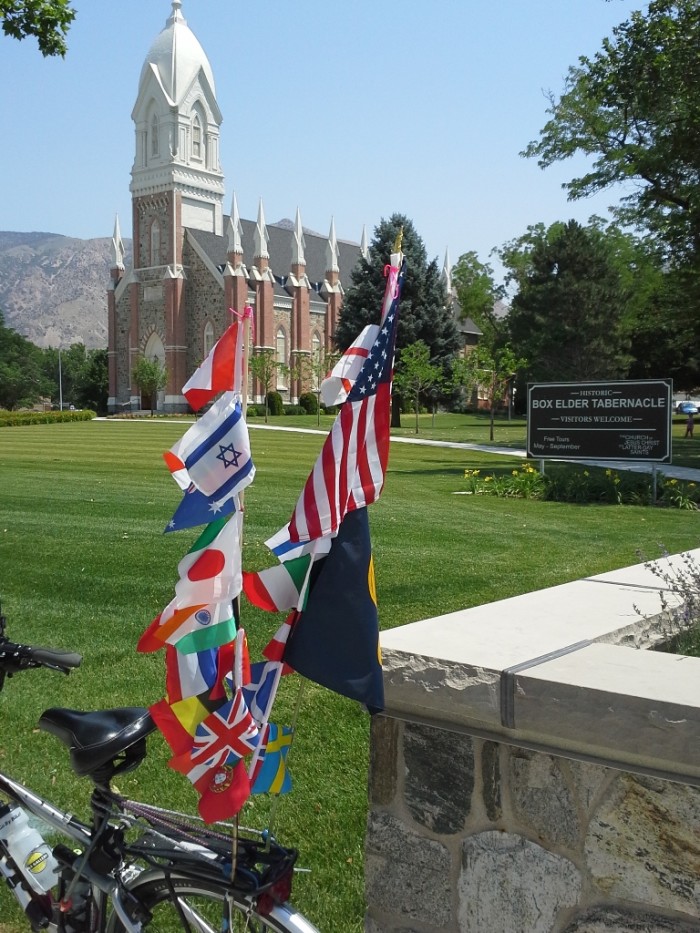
(335, 640)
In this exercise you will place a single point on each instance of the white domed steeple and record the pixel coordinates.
(176, 56)
(177, 119)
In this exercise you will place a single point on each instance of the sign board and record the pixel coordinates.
(625, 420)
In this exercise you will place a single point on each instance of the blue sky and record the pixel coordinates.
(346, 110)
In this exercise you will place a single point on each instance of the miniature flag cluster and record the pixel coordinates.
(216, 711)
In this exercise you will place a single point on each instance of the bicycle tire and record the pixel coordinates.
(205, 898)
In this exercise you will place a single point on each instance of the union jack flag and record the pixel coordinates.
(349, 472)
(227, 734)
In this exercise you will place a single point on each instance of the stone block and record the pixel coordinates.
(406, 875)
(643, 844)
(511, 885)
(384, 742)
(439, 778)
(623, 921)
(541, 799)
(491, 780)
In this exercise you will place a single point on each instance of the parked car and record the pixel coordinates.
(686, 408)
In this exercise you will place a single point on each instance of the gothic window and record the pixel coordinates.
(281, 353)
(316, 357)
(155, 147)
(196, 138)
(155, 244)
(208, 339)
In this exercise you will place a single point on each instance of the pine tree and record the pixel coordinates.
(423, 312)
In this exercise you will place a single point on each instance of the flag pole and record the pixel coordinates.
(245, 322)
(275, 803)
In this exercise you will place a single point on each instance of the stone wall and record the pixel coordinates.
(476, 836)
(555, 793)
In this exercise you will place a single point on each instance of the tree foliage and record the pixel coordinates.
(22, 381)
(491, 372)
(635, 109)
(310, 369)
(423, 315)
(567, 318)
(150, 376)
(416, 374)
(477, 294)
(47, 20)
(264, 366)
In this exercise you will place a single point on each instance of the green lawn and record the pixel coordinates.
(475, 429)
(84, 564)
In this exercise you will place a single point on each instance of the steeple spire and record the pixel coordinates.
(117, 246)
(332, 250)
(298, 245)
(364, 247)
(235, 229)
(261, 235)
(176, 14)
(447, 273)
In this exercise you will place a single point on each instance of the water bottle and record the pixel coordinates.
(27, 849)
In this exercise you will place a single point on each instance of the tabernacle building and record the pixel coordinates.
(191, 262)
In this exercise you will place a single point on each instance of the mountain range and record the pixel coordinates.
(53, 288)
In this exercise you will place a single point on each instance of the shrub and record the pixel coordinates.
(275, 405)
(309, 402)
(294, 410)
(564, 484)
(679, 599)
(10, 419)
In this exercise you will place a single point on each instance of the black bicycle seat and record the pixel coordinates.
(98, 738)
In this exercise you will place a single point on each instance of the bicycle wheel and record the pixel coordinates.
(199, 907)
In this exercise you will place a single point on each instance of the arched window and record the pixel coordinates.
(281, 354)
(316, 357)
(155, 243)
(196, 138)
(155, 144)
(281, 345)
(208, 339)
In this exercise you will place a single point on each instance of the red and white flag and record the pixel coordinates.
(349, 472)
(221, 371)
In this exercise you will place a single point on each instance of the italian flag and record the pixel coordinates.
(277, 589)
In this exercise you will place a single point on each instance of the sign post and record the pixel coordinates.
(625, 420)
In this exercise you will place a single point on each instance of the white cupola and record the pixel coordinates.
(177, 120)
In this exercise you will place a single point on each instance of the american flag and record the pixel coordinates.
(349, 473)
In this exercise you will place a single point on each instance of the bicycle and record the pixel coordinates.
(135, 867)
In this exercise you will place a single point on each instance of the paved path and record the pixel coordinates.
(667, 469)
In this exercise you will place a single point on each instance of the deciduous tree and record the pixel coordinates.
(47, 20)
(150, 376)
(567, 317)
(417, 374)
(477, 294)
(635, 109)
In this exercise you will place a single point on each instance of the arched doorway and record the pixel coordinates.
(154, 350)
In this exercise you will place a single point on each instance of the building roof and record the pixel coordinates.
(281, 247)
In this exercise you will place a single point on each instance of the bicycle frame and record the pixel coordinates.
(68, 825)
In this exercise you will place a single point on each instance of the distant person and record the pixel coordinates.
(689, 425)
